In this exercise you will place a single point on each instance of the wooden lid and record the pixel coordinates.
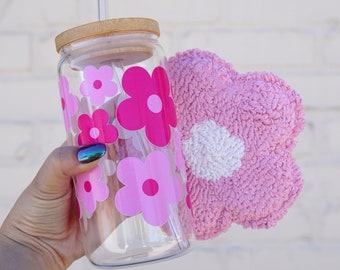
(106, 28)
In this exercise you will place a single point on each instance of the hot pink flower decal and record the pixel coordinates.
(150, 105)
(90, 189)
(69, 102)
(98, 84)
(149, 188)
(96, 129)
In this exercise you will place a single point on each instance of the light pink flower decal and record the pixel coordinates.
(96, 129)
(149, 188)
(90, 189)
(98, 84)
(69, 102)
(149, 105)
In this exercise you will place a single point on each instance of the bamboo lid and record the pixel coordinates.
(106, 28)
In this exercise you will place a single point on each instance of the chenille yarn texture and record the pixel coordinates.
(238, 133)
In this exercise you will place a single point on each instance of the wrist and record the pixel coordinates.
(16, 254)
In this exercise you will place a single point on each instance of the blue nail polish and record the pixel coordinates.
(91, 153)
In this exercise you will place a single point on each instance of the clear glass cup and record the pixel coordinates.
(114, 89)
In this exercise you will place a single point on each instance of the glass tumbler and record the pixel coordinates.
(114, 89)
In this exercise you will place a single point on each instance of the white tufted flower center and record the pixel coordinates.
(211, 152)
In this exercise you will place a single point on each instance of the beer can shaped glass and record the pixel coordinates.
(133, 206)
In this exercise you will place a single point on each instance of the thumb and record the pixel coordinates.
(53, 178)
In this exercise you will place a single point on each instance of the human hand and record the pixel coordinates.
(41, 231)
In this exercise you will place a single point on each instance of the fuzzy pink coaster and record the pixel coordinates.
(238, 133)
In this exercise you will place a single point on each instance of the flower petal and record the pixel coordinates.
(155, 213)
(137, 83)
(157, 131)
(153, 202)
(101, 191)
(98, 84)
(127, 201)
(130, 114)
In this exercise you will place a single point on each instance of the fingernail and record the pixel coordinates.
(91, 152)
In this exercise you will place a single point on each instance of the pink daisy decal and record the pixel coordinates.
(149, 188)
(69, 102)
(98, 84)
(149, 105)
(90, 189)
(96, 129)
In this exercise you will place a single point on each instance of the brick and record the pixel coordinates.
(332, 129)
(88, 11)
(170, 42)
(318, 143)
(59, 12)
(321, 182)
(38, 13)
(331, 223)
(44, 56)
(29, 142)
(305, 142)
(48, 136)
(326, 123)
(15, 53)
(15, 179)
(256, 50)
(317, 90)
(17, 14)
(294, 13)
(169, 12)
(30, 98)
(3, 212)
(331, 48)
(18, 137)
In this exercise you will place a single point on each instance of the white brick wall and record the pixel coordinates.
(297, 39)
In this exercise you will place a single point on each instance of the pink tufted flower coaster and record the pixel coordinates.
(238, 133)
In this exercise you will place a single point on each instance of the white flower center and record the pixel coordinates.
(211, 152)
(154, 103)
(94, 133)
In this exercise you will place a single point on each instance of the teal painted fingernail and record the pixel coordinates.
(91, 152)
